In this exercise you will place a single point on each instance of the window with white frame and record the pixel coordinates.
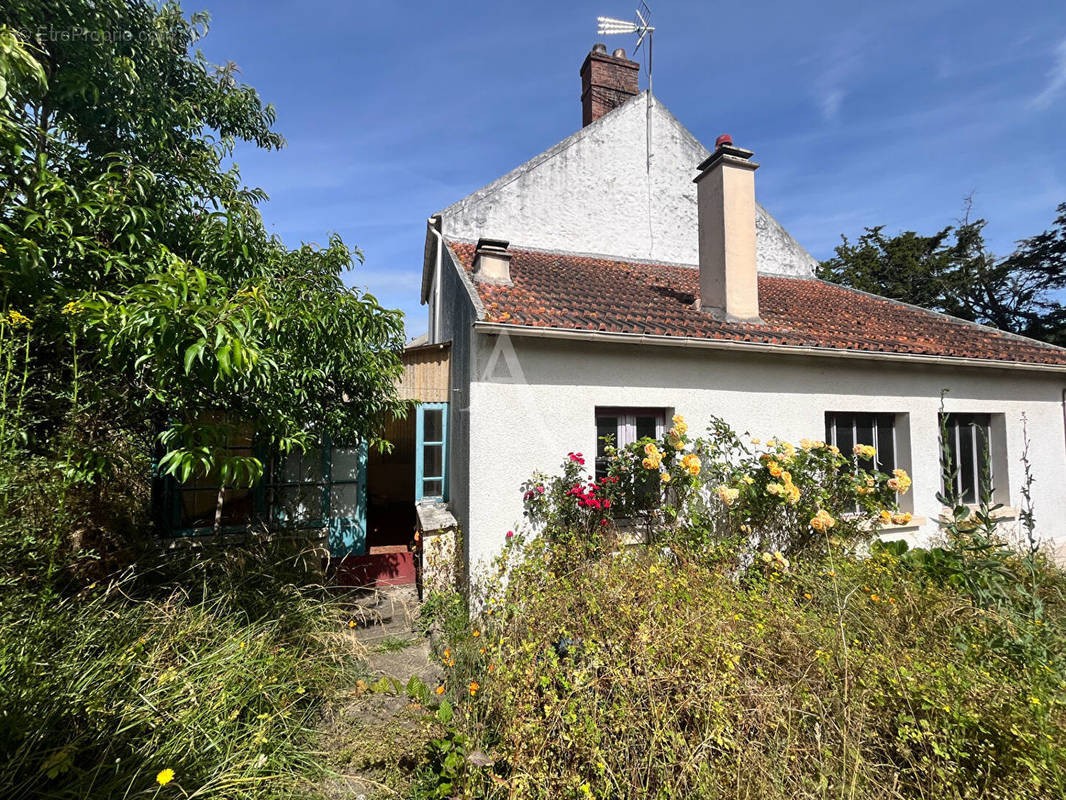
(619, 427)
(969, 446)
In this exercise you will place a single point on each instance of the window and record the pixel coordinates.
(969, 444)
(624, 426)
(295, 489)
(847, 429)
(321, 488)
(430, 451)
(198, 498)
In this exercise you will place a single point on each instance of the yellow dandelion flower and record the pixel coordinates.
(16, 318)
(164, 777)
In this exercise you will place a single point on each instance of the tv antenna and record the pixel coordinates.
(609, 26)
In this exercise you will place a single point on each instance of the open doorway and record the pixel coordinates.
(390, 513)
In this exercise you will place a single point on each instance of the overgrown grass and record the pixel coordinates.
(221, 682)
(647, 675)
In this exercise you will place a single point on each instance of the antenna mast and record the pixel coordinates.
(609, 26)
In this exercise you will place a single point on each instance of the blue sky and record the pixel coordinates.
(861, 113)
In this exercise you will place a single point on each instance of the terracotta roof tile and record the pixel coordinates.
(561, 290)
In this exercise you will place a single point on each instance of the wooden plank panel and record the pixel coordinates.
(427, 373)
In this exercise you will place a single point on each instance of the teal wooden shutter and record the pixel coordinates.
(344, 496)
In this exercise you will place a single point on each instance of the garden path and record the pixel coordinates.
(374, 737)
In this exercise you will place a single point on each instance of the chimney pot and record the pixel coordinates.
(725, 201)
(492, 262)
(607, 81)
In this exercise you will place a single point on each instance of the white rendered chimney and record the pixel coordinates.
(725, 199)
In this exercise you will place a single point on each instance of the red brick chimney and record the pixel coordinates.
(607, 81)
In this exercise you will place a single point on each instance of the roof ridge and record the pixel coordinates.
(651, 262)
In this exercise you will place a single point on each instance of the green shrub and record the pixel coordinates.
(644, 675)
(757, 655)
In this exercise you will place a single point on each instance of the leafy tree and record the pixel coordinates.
(954, 272)
(161, 309)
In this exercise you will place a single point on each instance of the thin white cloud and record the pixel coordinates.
(1056, 79)
(830, 101)
(839, 70)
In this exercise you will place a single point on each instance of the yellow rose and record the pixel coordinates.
(822, 521)
(665, 477)
(727, 494)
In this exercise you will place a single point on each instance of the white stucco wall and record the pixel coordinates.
(532, 401)
(593, 193)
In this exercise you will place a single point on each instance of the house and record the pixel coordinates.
(628, 273)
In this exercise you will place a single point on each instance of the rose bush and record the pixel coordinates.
(717, 491)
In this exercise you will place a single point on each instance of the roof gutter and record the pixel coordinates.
(569, 334)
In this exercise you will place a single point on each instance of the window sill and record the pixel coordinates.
(1002, 514)
(915, 523)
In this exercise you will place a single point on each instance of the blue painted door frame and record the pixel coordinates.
(431, 485)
